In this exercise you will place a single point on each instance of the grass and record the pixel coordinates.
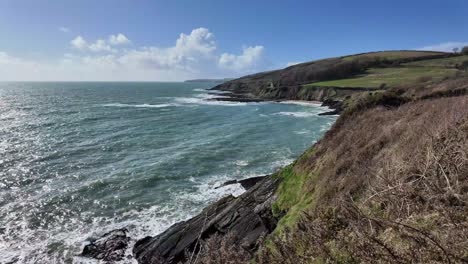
(391, 77)
(293, 199)
(394, 55)
(445, 62)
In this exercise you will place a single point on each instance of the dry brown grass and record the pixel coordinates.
(393, 188)
(219, 250)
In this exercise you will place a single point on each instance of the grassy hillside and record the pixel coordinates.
(278, 84)
(405, 74)
(445, 62)
(394, 55)
(392, 77)
(387, 184)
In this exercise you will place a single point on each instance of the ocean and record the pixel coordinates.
(79, 159)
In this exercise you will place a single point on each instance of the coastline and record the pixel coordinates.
(220, 217)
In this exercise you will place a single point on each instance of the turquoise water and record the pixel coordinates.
(80, 159)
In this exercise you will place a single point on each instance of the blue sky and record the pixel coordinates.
(141, 40)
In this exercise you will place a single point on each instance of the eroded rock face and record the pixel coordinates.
(110, 247)
(249, 216)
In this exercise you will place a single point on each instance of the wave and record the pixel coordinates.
(302, 132)
(141, 105)
(202, 101)
(199, 90)
(297, 114)
(303, 103)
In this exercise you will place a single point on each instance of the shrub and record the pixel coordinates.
(464, 50)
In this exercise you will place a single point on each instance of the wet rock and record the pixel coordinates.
(110, 247)
(245, 183)
(248, 216)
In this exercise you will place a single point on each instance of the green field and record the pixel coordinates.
(445, 62)
(391, 77)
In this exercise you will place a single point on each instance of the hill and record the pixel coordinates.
(334, 79)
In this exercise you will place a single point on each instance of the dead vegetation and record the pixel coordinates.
(393, 188)
(219, 250)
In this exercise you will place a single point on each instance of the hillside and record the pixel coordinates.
(332, 80)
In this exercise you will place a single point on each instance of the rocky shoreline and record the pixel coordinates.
(248, 216)
(336, 106)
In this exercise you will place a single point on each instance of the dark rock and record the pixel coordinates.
(245, 183)
(238, 99)
(334, 112)
(110, 247)
(248, 216)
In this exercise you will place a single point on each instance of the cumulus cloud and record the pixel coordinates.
(118, 39)
(192, 52)
(250, 58)
(79, 43)
(445, 47)
(193, 55)
(100, 45)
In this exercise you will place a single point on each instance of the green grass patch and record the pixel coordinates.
(293, 199)
(444, 63)
(391, 77)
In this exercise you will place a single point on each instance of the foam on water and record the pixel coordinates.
(140, 105)
(297, 114)
(204, 101)
(80, 159)
(302, 103)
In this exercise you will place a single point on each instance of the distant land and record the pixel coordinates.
(211, 80)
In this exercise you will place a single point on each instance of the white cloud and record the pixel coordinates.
(64, 29)
(118, 39)
(293, 63)
(193, 52)
(100, 45)
(250, 58)
(446, 47)
(193, 55)
(79, 43)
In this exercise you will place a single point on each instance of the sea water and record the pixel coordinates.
(79, 159)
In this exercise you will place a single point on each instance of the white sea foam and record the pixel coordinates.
(210, 96)
(303, 103)
(242, 163)
(141, 105)
(200, 101)
(297, 114)
(302, 132)
(199, 90)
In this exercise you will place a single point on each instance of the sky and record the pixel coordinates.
(175, 40)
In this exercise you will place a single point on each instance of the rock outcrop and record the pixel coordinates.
(110, 247)
(249, 216)
(245, 183)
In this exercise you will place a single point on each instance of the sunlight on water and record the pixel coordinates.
(80, 159)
